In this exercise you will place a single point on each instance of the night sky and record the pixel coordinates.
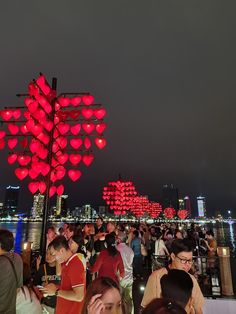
(165, 72)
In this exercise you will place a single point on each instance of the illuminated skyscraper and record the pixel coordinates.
(170, 197)
(201, 206)
(181, 204)
(187, 206)
(11, 200)
(37, 210)
(61, 206)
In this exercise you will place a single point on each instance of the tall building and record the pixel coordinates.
(61, 205)
(38, 203)
(170, 196)
(201, 206)
(11, 200)
(181, 204)
(187, 206)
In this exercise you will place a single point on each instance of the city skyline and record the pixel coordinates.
(165, 74)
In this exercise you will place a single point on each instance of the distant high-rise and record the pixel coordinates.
(37, 210)
(187, 206)
(170, 197)
(181, 204)
(201, 206)
(11, 200)
(61, 206)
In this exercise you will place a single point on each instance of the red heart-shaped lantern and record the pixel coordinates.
(75, 159)
(62, 158)
(42, 153)
(63, 128)
(33, 174)
(12, 142)
(6, 115)
(169, 212)
(24, 143)
(64, 101)
(2, 143)
(100, 113)
(182, 213)
(2, 134)
(76, 143)
(11, 158)
(43, 138)
(45, 169)
(88, 99)
(34, 146)
(42, 187)
(13, 129)
(88, 159)
(75, 114)
(75, 101)
(100, 128)
(62, 142)
(52, 190)
(21, 173)
(75, 129)
(33, 106)
(60, 190)
(24, 160)
(33, 187)
(16, 114)
(74, 175)
(88, 127)
(87, 143)
(23, 129)
(60, 173)
(87, 112)
(100, 142)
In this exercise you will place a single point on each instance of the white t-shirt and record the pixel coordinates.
(27, 302)
(160, 247)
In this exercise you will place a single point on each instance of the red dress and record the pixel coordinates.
(108, 266)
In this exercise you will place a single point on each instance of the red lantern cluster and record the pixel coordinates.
(182, 213)
(119, 196)
(140, 205)
(154, 209)
(169, 212)
(70, 125)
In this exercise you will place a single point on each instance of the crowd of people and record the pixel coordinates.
(91, 268)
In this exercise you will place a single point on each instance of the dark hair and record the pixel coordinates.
(136, 233)
(111, 242)
(177, 285)
(58, 243)
(100, 217)
(181, 245)
(163, 306)
(51, 228)
(210, 232)
(78, 239)
(6, 240)
(98, 286)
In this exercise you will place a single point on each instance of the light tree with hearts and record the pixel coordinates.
(50, 137)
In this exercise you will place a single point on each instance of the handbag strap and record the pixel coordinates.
(12, 265)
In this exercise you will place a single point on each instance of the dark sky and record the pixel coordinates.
(164, 70)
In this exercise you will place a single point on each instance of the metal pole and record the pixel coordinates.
(43, 240)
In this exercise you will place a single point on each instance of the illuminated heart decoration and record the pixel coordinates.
(60, 190)
(2, 143)
(42, 187)
(88, 127)
(75, 101)
(55, 147)
(11, 158)
(100, 127)
(27, 115)
(54, 163)
(30, 124)
(87, 159)
(75, 129)
(42, 153)
(52, 190)
(33, 106)
(34, 146)
(100, 142)
(182, 213)
(64, 101)
(6, 115)
(36, 129)
(62, 159)
(62, 142)
(16, 114)
(75, 114)
(23, 129)
(44, 103)
(76, 143)
(74, 175)
(40, 115)
(53, 177)
(88, 99)
(87, 143)
(63, 128)
(21, 173)
(45, 169)
(87, 112)
(169, 212)
(57, 106)
(60, 173)
(33, 187)
(23, 160)
(28, 100)
(100, 113)
(36, 166)
(12, 142)
(41, 82)
(2, 134)
(75, 159)
(43, 138)
(24, 143)
(33, 89)
(13, 129)
(62, 115)
(48, 125)
(33, 174)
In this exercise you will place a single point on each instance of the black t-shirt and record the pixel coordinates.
(52, 277)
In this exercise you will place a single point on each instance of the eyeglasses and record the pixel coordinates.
(185, 261)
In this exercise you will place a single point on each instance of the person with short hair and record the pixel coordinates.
(163, 306)
(11, 274)
(177, 285)
(181, 258)
(70, 293)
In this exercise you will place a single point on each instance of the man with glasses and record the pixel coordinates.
(182, 259)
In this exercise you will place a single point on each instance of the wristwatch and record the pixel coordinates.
(56, 292)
